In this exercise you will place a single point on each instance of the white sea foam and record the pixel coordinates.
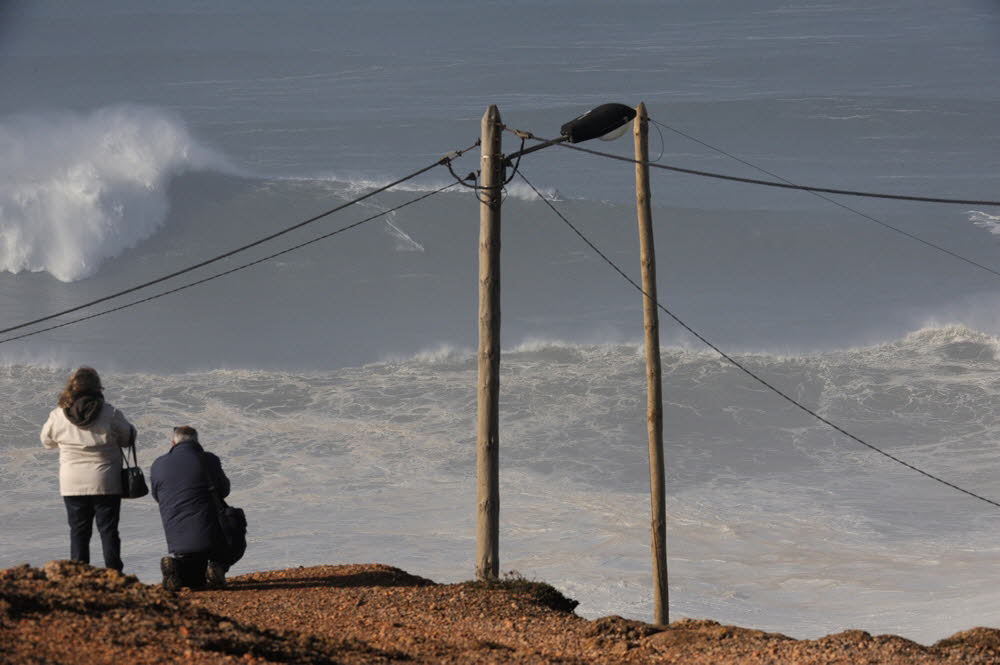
(377, 462)
(404, 242)
(446, 354)
(77, 189)
(985, 221)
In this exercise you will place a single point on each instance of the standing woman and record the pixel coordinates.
(90, 434)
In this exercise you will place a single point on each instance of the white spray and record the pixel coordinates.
(77, 189)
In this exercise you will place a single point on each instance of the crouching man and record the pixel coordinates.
(182, 482)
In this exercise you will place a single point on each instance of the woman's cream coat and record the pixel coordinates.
(90, 459)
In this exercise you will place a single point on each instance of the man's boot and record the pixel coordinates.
(215, 575)
(171, 573)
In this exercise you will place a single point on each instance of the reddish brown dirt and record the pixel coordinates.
(70, 613)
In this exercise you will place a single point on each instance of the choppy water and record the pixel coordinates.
(337, 382)
(774, 520)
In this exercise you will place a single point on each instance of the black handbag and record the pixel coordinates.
(133, 482)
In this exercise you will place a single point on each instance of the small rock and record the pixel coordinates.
(60, 569)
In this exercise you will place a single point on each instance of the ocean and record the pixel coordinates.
(337, 382)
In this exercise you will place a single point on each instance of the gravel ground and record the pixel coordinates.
(70, 613)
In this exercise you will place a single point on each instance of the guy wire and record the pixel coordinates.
(742, 367)
(830, 200)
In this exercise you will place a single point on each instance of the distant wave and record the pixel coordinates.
(919, 348)
(78, 189)
(352, 186)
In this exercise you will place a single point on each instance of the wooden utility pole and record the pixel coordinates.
(488, 421)
(654, 390)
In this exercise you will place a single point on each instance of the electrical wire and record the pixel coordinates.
(442, 161)
(742, 367)
(766, 183)
(833, 201)
(663, 144)
(474, 175)
(231, 270)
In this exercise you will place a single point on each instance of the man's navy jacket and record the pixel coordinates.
(180, 487)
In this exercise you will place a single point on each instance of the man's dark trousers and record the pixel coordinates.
(81, 512)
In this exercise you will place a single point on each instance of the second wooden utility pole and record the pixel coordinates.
(654, 389)
(488, 400)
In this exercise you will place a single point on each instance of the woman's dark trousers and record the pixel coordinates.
(81, 511)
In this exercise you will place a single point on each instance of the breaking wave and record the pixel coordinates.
(78, 189)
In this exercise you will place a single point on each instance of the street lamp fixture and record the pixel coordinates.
(605, 122)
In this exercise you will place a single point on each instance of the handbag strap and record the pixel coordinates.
(130, 446)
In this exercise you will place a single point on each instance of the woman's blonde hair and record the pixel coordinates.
(81, 382)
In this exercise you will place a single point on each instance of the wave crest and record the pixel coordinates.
(77, 189)
(351, 186)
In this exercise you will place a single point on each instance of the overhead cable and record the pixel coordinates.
(830, 200)
(765, 183)
(442, 161)
(474, 177)
(231, 270)
(741, 366)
